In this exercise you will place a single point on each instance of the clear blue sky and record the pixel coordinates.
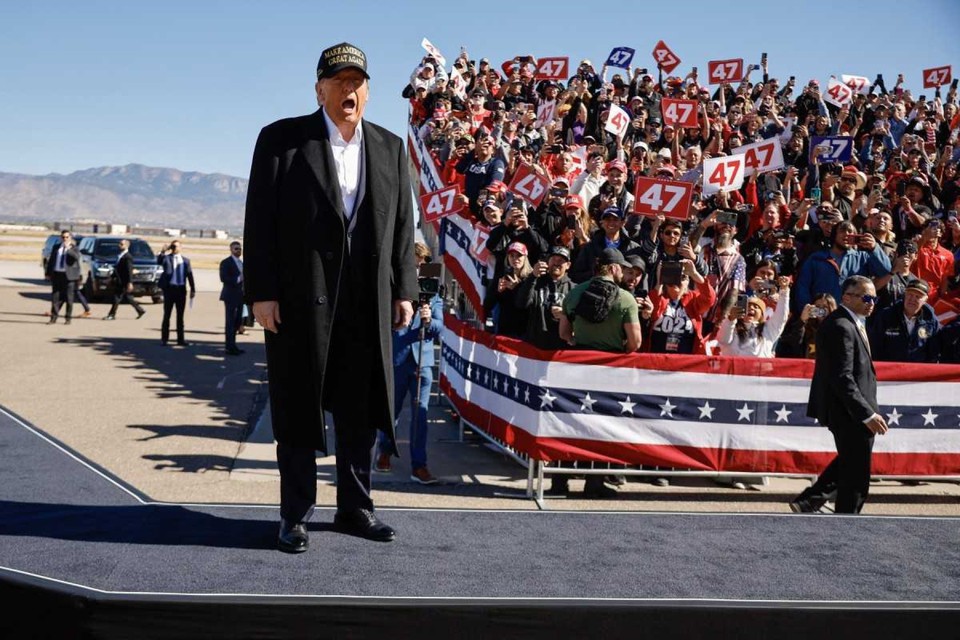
(189, 84)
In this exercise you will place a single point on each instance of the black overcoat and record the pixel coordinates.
(295, 243)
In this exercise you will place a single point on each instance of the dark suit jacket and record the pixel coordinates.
(232, 291)
(123, 271)
(72, 262)
(167, 263)
(295, 245)
(843, 393)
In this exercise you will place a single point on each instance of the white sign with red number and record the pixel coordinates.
(837, 93)
(937, 77)
(437, 204)
(578, 158)
(432, 50)
(720, 71)
(545, 113)
(529, 185)
(680, 113)
(666, 59)
(651, 197)
(552, 69)
(760, 157)
(859, 84)
(617, 121)
(722, 174)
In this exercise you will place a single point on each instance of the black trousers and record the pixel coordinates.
(234, 316)
(121, 295)
(353, 385)
(849, 472)
(63, 292)
(173, 296)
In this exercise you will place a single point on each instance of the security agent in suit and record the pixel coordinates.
(231, 294)
(843, 396)
(63, 272)
(173, 281)
(329, 272)
(123, 277)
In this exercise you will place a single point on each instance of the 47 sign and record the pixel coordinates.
(666, 59)
(937, 77)
(438, 204)
(529, 185)
(761, 157)
(679, 113)
(722, 174)
(720, 71)
(652, 197)
(826, 149)
(552, 69)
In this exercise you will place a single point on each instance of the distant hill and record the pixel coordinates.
(133, 194)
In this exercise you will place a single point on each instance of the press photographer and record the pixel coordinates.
(413, 362)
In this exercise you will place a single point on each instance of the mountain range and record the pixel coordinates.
(133, 194)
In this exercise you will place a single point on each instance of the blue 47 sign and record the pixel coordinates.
(827, 149)
(620, 57)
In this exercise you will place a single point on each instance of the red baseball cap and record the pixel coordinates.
(518, 247)
(572, 201)
(615, 164)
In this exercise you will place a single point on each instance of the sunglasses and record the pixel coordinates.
(868, 299)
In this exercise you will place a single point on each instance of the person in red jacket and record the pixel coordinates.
(934, 262)
(677, 320)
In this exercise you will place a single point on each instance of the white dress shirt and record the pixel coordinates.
(239, 264)
(60, 265)
(346, 155)
(177, 277)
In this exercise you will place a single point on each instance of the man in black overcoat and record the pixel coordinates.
(843, 397)
(330, 270)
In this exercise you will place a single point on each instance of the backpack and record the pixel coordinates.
(597, 300)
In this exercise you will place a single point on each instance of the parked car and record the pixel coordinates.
(99, 255)
(48, 245)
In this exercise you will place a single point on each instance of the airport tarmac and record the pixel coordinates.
(187, 424)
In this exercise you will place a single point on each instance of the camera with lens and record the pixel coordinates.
(767, 287)
(428, 280)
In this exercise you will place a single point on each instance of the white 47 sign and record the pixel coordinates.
(722, 174)
(437, 204)
(838, 93)
(651, 197)
(617, 121)
(529, 185)
(760, 157)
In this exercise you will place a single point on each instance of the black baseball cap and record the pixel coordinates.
(341, 56)
(613, 256)
(561, 251)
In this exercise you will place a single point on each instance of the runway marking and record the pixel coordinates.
(146, 500)
(479, 600)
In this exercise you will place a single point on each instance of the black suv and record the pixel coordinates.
(48, 246)
(99, 255)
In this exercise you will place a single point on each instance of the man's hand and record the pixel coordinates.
(877, 425)
(193, 293)
(129, 287)
(267, 313)
(425, 314)
(402, 313)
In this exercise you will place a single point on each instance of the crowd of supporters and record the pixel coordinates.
(750, 272)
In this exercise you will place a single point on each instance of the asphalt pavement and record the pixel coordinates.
(188, 424)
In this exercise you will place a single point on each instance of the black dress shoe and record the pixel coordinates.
(183, 343)
(293, 538)
(806, 504)
(234, 352)
(365, 524)
(140, 314)
(559, 486)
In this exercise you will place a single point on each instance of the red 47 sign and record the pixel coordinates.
(680, 113)
(933, 78)
(838, 93)
(720, 71)
(666, 59)
(761, 157)
(437, 204)
(651, 197)
(529, 185)
(552, 69)
(722, 174)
